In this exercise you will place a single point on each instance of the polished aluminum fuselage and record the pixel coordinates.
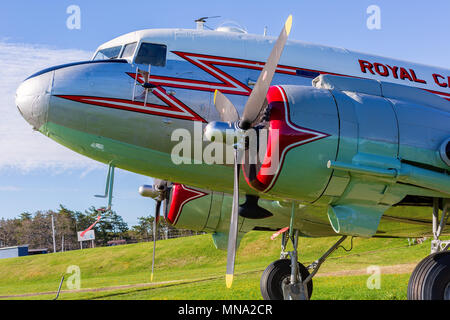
(99, 110)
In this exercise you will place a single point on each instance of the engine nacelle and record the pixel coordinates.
(445, 151)
(201, 210)
(189, 208)
(209, 211)
(354, 121)
(303, 134)
(352, 147)
(355, 145)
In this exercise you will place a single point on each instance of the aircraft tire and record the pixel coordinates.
(272, 279)
(430, 279)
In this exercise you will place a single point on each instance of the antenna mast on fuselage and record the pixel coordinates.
(201, 22)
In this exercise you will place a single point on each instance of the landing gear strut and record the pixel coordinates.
(430, 280)
(288, 279)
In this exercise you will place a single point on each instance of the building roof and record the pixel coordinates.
(14, 247)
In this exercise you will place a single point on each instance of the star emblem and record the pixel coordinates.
(283, 136)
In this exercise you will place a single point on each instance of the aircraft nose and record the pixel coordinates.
(32, 99)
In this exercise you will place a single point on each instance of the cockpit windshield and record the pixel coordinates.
(147, 53)
(128, 50)
(152, 54)
(108, 53)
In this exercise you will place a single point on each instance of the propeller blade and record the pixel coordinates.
(232, 236)
(165, 208)
(255, 102)
(155, 234)
(226, 109)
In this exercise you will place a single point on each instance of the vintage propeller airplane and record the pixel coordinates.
(351, 144)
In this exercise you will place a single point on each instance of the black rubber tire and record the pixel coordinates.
(274, 275)
(430, 278)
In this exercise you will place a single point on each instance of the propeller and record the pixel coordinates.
(255, 104)
(159, 191)
(155, 234)
(161, 187)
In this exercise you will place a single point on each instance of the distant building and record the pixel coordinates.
(37, 251)
(116, 242)
(14, 252)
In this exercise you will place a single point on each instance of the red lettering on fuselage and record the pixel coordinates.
(394, 70)
(405, 75)
(386, 70)
(384, 73)
(366, 65)
(439, 83)
(413, 74)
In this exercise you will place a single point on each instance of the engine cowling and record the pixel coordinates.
(357, 146)
(195, 205)
(201, 210)
(208, 211)
(353, 121)
(303, 134)
(352, 147)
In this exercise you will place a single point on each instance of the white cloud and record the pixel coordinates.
(10, 188)
(21, 147)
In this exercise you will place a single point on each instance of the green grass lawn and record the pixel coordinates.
(246, 287)
(193, 259)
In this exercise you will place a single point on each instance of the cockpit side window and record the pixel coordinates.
(128, 50)
(108, 53)
(152, 54)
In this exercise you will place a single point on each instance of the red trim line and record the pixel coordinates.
(227, 84)
(175, 108)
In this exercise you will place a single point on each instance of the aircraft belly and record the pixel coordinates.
(310, 220)
(138, 159)
(313, 221)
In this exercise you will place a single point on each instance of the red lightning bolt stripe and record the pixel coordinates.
(227, 84)
(175, 108)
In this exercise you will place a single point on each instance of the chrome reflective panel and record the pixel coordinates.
(97, 103)
(32, 99)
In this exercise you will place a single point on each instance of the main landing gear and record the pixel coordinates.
(430, 279)
(288, 279)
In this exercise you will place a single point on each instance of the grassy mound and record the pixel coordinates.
(195, 258)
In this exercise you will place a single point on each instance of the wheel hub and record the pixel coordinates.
(447, 292)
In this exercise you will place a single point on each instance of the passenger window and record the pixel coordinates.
(152, 54)
(128, 50)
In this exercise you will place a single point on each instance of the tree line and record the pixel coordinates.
(36, 229)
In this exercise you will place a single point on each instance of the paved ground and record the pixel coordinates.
(395, 269)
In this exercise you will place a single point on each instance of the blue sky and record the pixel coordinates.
(37, 174)
(416, 30)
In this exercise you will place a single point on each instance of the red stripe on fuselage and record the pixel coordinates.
(207, 63)
(183, 111)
